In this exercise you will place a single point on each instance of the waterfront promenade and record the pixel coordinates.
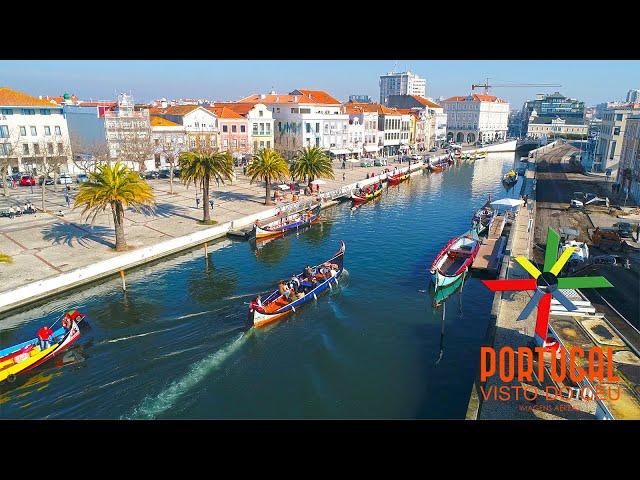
(46, 245)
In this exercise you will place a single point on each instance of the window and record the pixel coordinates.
(234, 128)
(4, 131)
(616, 130)
(44, 111)
(262, 129)
(47, 130)
(25, 148)
(255, 129)
(28, 111)
(261, 144)
(192, 142)
(36, 149)
(268, 143)
(255, 146)
(34, 131)
(5, 149)
(618, 117)
(6, 111)
(261, 113)
(243, 143)
(197, 125)
(268, 125)
(305, 110)
(242, 128)
(57, 129)
(317, 128)
(307, 127)
(225, 143)
(612, 151)
(294, 110)
(234, 143)
(50, 148)
(317, 141)
(225, 128)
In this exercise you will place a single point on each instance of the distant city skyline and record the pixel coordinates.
(590, 81)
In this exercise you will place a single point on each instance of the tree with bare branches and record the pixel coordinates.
(135, 148)
(51, 154)
(88, 155)
(170, 149)
(9, 153)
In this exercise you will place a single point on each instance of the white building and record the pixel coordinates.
(434, 114)
(261, 123)
(307, 118)
(33, 132)
(477, 117)
(629, 176)
(612, 128)
(128, 133)
(390, 123)
(403, 83)
(366, 115)
(557, 128)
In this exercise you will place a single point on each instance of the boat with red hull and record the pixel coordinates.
(454, 260)
(398, 178)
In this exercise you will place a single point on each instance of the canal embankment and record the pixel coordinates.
(587, 328)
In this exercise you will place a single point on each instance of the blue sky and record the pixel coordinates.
(591, 81)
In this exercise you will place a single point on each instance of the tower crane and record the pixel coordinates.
(486, 85)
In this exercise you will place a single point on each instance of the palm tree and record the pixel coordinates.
(118, 187)
(200, 167)
(268, 165)
(312, 162)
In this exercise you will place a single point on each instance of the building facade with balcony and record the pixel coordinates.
(395, 130)
(128, 133)
(260, 121)
(558, 127)
(307, 118)
(233, 130)
(476, 118)
(32, 131)
(367, 116)
(629, 176)
(434, 115)
(612, 129)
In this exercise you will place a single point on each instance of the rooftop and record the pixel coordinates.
(162, 122)
(14, 98)
(304, 97)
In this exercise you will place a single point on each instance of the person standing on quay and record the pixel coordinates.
(66, 198)
(211, 204)
(197, 200)
(344, 176)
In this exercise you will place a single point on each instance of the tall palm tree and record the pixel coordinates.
(200, 167)
(118, 187)
(268, 165)
(312, 162)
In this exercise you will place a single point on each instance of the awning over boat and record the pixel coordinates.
(507, 202)
(339, 151)
(371, 148)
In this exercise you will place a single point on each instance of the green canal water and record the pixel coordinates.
(175, 344)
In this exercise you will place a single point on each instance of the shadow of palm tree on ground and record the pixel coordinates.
(67, 233)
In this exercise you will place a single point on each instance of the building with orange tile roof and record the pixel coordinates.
(476, 118)
(434, 129)
(366, 116)
(233, 130)
(33, 134)
(307, 118)
(260, 123)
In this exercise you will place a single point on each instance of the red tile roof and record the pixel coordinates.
(355, 108)
(14, 98)
(162, 122)
(178, 109)
(304, 97)
(426, 102)
(240, 108)
(224, 112)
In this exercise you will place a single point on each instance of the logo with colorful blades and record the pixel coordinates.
(546, 285)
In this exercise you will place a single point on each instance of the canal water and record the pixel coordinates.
(175, 344)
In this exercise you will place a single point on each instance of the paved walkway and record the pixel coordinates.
(45, 244)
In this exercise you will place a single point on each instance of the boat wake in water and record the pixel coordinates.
(150, 408)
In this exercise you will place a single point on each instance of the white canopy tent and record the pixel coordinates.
(507, 202)
(318, 182)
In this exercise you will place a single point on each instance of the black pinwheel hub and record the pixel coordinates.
(547, 282)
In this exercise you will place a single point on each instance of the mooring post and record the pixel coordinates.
(124, 285)
(206, 250)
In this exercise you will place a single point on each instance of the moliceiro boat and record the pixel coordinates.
(454, 260)
(400, 177)
(283, 226)
(302, 288)
(510, 178)
(368, 193)
(25, 356)
(482, 217)
(441, 167)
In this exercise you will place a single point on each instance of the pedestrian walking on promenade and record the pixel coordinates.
(197, 201)
(31, 187)
(67, 199)
(211, 204)
(344, 175)
(218, 181)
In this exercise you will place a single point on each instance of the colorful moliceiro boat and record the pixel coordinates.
(440, 167)
(362, 196)
(400, 177)
(28, 355)
(454, 260)
(279, 227)
(276, 306)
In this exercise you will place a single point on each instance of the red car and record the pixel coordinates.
(27, 180)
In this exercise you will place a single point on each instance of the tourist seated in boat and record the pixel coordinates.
(295, 283)
(284, 291)
(44, 335)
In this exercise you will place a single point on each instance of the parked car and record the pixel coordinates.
(624, 229)
(366, 163)
(65, 179)
(82, 177)
(176, 173)
(27, 180)
(380, 162)
(151, 175)
(164, 173)
(47, 181)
